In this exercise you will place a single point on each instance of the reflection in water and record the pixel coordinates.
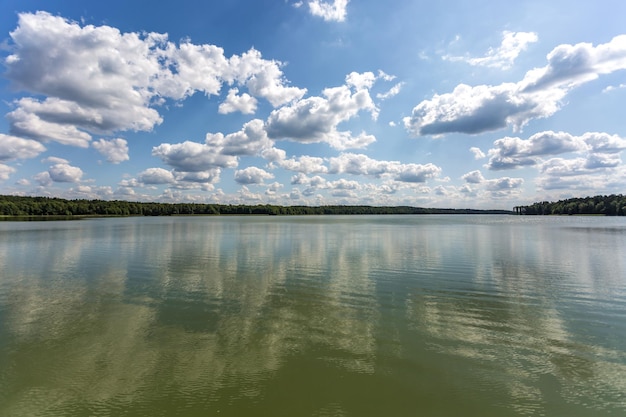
(514, 326)
(311, 316)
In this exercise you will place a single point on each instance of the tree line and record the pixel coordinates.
(608, 205)
(51, 206)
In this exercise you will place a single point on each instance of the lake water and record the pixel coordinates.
(314, 316)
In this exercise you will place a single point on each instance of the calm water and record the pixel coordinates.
(314, 316)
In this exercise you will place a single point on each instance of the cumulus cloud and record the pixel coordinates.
(5, 172)
(393, 91)
(12, 147)
(480, 109)
(205, 178)
(582, 174)
(602, 160)
(252, 175)
(572, 65)
(114, 150)
(305, 164)
(613, 87)
(513, 152)
(358, 164)
(193, 157)
(504, 183)
(53, 160)
(474, 177)
(243, 103)
(503, 57)
(316, 119)
(604, 142)
(202, 162)
(251, 140)
(484, 108)
(273, 188)
(29, 120)
(43, 178)
(95, 79)
(263, 78)
(361, 81)
(417, 172)
(156, 176)
(335, 11)
(313, 184)
(478, 154)
(62, 172)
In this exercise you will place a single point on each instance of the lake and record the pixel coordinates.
(431, 315)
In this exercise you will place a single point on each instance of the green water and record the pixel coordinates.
(314, 316)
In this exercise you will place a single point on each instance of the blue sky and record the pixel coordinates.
(479, 104)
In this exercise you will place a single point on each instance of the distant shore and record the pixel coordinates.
(47, 208)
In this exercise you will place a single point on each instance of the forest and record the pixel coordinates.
(50, 206)
(607, 205)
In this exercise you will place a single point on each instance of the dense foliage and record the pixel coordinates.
(608, 205)
(46, 206)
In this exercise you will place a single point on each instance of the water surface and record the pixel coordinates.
(314, 316)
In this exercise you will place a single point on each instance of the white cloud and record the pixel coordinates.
(273, 188)
(393, 91)
(205, 178)
(247, 196)
(156, 176)
(417, 172)
(604, 142)
(55, 160)
(219, 150)
(480, 109)
(358, 164)
(478, 154)
(305, 164)
(264, 78)
(602, 160)
(252, 175)
(5, 172)
(26, 121)
(243, 103)
(504, 183)
(484, 108)
(12, 147)
(312, 183)
(193, 157)
(510, 152)
(513, 152)
(343, 184)
(503, 57)
(474, 177)
(335, 11)
(251, 140)
(361, 81)
(114, 150)
(613, 87)
(95, 79)
(43, 178)
(273, 154)
(316, 119)
(65, 173)
(572, 65)
(578, 174)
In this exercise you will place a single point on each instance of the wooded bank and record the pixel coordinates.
(47, 206)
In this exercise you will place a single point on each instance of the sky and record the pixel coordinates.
(457, 104)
